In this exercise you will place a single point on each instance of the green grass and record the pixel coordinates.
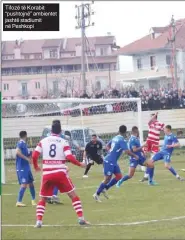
(133, 202)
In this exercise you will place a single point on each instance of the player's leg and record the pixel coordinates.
(118, 176)
(167, 161)
(132, 169)
(32, 188)
(65, 185)
(46, 191)
(90, 162)
(108, 170)
(102, 187)
(147, 150)
(150, 167)
(23, 186)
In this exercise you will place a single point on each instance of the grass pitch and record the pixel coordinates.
(135, 211)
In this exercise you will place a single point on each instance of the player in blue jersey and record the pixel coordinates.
(165, 154)
(115, 148)
(24, 174)
(135, 147)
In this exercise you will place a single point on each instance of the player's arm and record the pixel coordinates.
(35, 156)
(152, 119)
(85, 152)
(69, 156)
(175, 143)
(124, 147)
(108, 146)
(19, 152)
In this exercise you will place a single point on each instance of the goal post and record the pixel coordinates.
(80, 118)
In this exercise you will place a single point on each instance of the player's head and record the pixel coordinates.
(94, 138)
(154, 115)
(23, 135)
(56, 121)
(167, 129)
(122, 129)
(135, 131)
(56, 128)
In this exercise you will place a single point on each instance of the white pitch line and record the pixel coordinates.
(102, 224)
(89, 187)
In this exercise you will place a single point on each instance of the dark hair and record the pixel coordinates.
(22, 134)
(56, 121)
(122, 129)
(153, 114)
(134, 128)
(56, 128)
(93, 135)
(168, 127)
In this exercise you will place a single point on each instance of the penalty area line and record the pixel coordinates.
(101, 224)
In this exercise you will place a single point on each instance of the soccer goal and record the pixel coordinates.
(80, 118)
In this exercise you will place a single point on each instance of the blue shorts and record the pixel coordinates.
(110, 168)
(25, 176)
(134, 162)
(166, 157)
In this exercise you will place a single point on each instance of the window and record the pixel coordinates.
(6, 86)
(37, 85)
(26, 56)
(168, 60)
(103, 51)
(152, 62)
(53, 53)
(55, 86)
(139, 64)
(37, 56)
(24, 89)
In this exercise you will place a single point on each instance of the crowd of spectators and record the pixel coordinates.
(152, 99)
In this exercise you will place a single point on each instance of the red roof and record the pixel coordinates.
(160, 41)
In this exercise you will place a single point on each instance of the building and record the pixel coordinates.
(42, 68)
(152, 58)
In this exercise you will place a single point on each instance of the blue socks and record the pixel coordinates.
(21, 194)
(150, 171)
(172, 170)
(101, 188)
(55, 191)
(32, 191)
(125, 178)
(111, 183)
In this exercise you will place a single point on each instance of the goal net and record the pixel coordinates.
(80, 118)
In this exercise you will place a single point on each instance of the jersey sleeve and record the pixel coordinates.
(175, 140)
(20, 146)
(109, 144)
(123, 145)
(133, 143)
(67, 149)
(101, 145)
(39, 147)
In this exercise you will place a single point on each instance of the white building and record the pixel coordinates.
(153, 58)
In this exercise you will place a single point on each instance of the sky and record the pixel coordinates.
(127, 21)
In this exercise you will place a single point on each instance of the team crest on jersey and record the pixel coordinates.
(23, 180)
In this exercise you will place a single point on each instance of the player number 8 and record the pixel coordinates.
(52, 152)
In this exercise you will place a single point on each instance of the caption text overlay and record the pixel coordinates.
(30, 17)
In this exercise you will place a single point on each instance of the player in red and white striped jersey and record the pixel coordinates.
(152, 141)
(55, 151)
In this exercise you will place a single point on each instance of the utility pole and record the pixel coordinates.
(83, 17)
(173, 42)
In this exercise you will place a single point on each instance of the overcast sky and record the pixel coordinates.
(128, 21)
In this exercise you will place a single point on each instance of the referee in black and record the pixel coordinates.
(93, 153)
